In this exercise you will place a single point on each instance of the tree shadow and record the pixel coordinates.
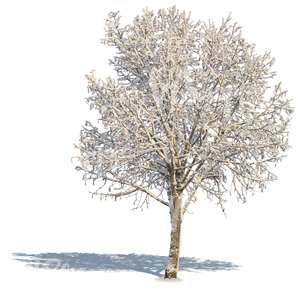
(151, 264)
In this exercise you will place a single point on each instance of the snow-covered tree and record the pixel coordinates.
(190, 112)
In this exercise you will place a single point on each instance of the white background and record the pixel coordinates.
(46, 47)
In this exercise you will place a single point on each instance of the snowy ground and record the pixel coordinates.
(48, 219)
(87, 243)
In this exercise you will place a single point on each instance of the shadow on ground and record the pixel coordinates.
(151, 264)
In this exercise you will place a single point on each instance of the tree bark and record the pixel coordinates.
(176, 220)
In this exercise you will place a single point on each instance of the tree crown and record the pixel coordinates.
(190, 110)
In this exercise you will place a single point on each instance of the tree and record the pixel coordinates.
(190, 112)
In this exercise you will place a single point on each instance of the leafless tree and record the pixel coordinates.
(190, 112)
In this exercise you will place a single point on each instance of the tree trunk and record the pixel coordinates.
(176, 219)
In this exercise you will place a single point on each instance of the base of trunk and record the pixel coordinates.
(170, 274)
